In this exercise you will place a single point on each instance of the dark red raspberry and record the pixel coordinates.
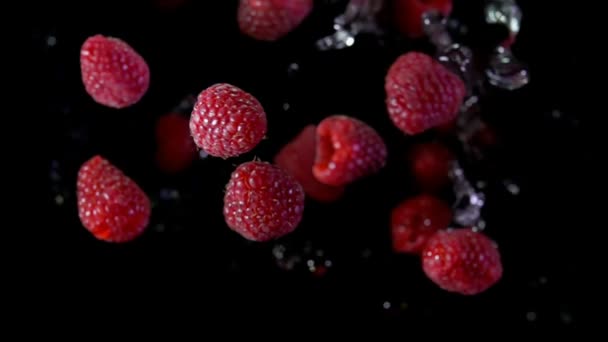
(430, 165)
(270, 20)
(110, 205)
(421, 93)
(175, 148)
(297, 158)
(416, 219)
(408, 14)
(226, 121)
(262, 202)
(347, 150)
(462, 261)
(113, 73)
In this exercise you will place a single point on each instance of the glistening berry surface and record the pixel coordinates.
(112, 72)
(347, 150)
(462, 261)
(227, 121)
(262, 202)
(421, 93)
(110, 205)
(270, 20)
(297, 158)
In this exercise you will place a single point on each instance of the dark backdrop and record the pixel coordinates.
(190, 265)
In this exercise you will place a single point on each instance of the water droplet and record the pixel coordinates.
(366, 253)
(506, 71)
(505, 12)
(55, 176)
(386, 305)
(278, 251)
(359, 17)
(531, 316)
(469, 201)
(59, 200)
(51, 41)
(293, 69)
(169, 194)
(512, 187)
(202, 154)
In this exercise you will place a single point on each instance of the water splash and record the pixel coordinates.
(469, 201)
(505, 70)
(359, 17)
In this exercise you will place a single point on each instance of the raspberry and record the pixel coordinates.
(175, 148)
(421, 93)
(111, 206)
(262, 202)
(462, 261)
(270, 20)
(430, 163)
(408, 14)
(226, 121)
(113, 74)
(416, 219)
(297, 158)
(347, 150)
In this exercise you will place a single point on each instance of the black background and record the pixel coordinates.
(197, 267)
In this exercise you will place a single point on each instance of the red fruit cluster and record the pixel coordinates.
(460, 260)
(270, 20)
(113, 73)
(421, 93)
(264, 202)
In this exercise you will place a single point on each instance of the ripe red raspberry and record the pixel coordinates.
(226, 121)
(297, 158)
(270, 20)
(113, 73)
(110, 205)
(347, 150)
(415, 220)
(408, 14)
(262, 202)
(175, 148)
(430, 165)
(462, 261)
(421, 93)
